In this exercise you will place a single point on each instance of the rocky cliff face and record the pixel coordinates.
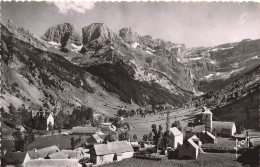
(64, 35)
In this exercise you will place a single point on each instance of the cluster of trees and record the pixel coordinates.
(21, 141)
(159, 137)
(74, 142)
(80, 115)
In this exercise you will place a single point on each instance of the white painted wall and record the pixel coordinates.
(129, 154)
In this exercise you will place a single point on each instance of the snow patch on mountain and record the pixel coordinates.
(54, 44)
(196, 58)
(76, 48)
(208, 76)
(134, 45)
(148, 52)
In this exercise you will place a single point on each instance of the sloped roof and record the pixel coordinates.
(196, 129)
(42, 153)
(73, 153)
(192, 143)
(114, 148)
(219, 125)
(207, 111)
(43, 114)
(175, 131)
(210, 135)
(58, 155)
(124, 146)
(101, 149)
(195, 138)
(14, 156)
(84, 129)
(53, 163)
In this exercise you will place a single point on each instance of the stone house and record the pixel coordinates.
(207, 137)
(101, 154)
(189, 150)
(175, 137)
(44, 119)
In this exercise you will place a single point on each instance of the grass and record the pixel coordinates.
(63, 142)
(205, 160)
(222, 145)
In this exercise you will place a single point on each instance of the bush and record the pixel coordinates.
(15, 84)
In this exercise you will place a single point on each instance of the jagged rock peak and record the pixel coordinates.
(128, 35)
(61, 32)
(98, 31)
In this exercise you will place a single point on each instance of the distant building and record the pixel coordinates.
(189, 150)
(207, 120)
(44, 119)
(115, 150)
(222, 128)
(112, 151)
(175, 137)
(207, 137)
(94, 139)
(43, 153)
(57, 155)
(225, 129)
(84, 130)
(75, 154)
(196, 140)
(101, 154)
(53, 163)
(15, 158)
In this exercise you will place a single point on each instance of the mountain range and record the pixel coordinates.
(107, 70)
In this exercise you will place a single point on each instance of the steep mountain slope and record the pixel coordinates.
(36, 77)
(238, 89)
(139, 75)
(217, 66)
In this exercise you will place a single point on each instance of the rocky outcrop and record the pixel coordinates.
(129, 36)
(63, 33)
(97, 34)
(8, 28)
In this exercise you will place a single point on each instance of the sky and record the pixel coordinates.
(193, 24)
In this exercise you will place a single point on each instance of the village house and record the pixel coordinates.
(15, 158)
(101, 154)
(116, 150)
(112, 151)
(75, 154)
(207, 137)
(53, 163)
(94, 139)
(189, 150)
(88, 130)
(196, 140)
(44, 119)
(175, 137)
(43, 153)
(126, 149)
(57, 155)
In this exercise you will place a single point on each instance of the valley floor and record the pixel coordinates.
(142, 125)
(205, 160)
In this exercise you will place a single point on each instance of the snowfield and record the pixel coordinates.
(134, 45)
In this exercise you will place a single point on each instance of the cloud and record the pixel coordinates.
(73, 7)
(244, 18)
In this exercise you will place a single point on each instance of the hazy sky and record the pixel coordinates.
(194, 24)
